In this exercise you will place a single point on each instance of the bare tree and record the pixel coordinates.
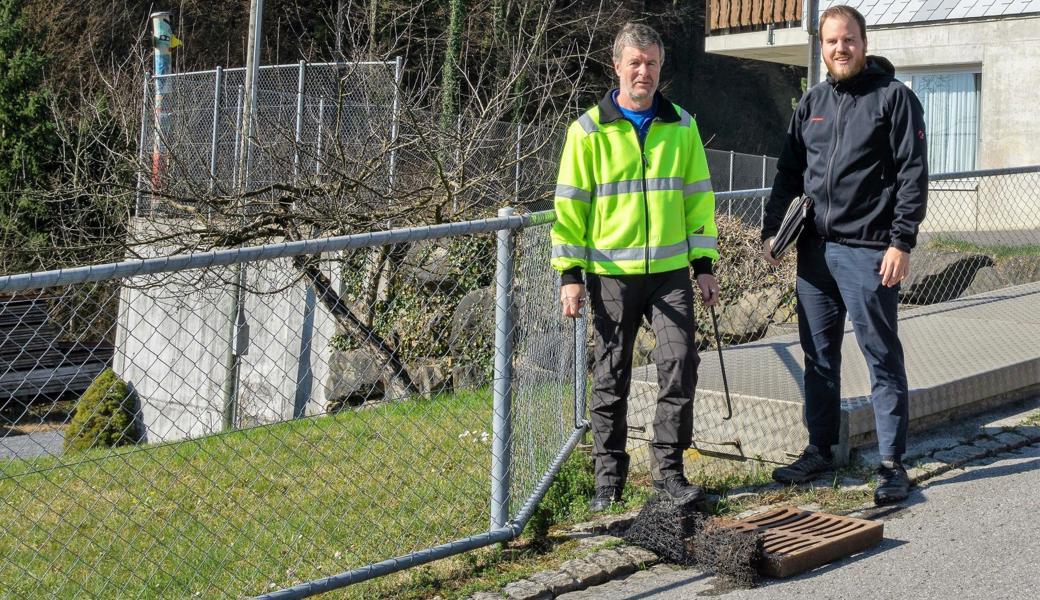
(386, 157)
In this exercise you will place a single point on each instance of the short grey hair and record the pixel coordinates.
(637, 35)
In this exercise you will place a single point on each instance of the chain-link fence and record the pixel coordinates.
(979, 246)
(264, 417)
(287, 418)
(345, 129)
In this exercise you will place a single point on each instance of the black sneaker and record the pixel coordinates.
(893, 484)
(605, 496)
(810, 465)
(679, 488)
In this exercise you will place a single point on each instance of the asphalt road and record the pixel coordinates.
(970, 533)
(31, 445)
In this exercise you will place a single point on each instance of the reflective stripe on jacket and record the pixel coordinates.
(623, 208)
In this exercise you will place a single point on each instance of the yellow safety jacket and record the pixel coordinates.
(625, 208)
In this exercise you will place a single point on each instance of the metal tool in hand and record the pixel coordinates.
(722, 364)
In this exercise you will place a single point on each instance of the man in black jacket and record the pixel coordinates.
(856, 147)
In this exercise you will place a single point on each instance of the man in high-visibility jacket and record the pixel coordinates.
(634, 210)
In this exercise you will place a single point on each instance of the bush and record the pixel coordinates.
(104, 415)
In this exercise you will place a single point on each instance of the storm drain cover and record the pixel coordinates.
(795, 540)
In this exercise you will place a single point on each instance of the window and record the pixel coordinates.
(951, 115)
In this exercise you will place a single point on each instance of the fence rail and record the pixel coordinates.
(406, 393)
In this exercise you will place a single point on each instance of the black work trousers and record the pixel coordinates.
(619, 304)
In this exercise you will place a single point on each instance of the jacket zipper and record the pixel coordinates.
(646, 201)
(830, 166)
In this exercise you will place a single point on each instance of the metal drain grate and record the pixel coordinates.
(795, 540)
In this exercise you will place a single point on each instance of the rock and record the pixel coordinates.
(986, 279)
(468, 377)
(472, 338)
(431, 375)
(355, 377)
(486, 596)
(748, 318)
(429, 265)
(940, 276)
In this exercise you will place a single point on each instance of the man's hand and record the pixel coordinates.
(709, 289)
(572, 298)
(767, 252)
(895, 266)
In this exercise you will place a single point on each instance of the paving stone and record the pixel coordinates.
(606, 523)
(1011, 439)
(959, 455)
(639, 556)
(486, 596)
(917, 474)
(863, 487)
(988, 443)
(613, 562)
(526, 590)
(587, 572)
(596, 541)
(848, 482)
(557, 582)
(1029, 431)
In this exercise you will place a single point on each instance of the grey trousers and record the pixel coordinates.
(619, 304)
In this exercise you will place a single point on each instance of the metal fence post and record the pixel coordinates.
(762, 200)
(140, 143)
(580, 370)
(501, 449)
(299, 120)
(217, 96)
(395, 124)
(729, 205)
(516, 168)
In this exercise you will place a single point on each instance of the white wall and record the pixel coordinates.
(173, 334)
(1008, 52)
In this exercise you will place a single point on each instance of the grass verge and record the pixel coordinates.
(240, 513)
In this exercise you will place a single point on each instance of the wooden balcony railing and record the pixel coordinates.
(751, 14)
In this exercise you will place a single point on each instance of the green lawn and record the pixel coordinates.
(241, 513)
(996, 251)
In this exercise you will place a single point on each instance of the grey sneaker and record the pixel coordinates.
(605, 496)
(810, 465)
(679, 488)
(893, 484)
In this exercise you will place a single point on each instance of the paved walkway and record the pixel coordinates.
(958, 353)
(970, 533)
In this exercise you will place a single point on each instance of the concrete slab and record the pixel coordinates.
(963, 356)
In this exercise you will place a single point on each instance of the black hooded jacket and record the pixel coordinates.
(857, 148)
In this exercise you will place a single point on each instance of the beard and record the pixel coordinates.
(851, 68)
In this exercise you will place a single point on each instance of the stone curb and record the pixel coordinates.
(623, 560)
